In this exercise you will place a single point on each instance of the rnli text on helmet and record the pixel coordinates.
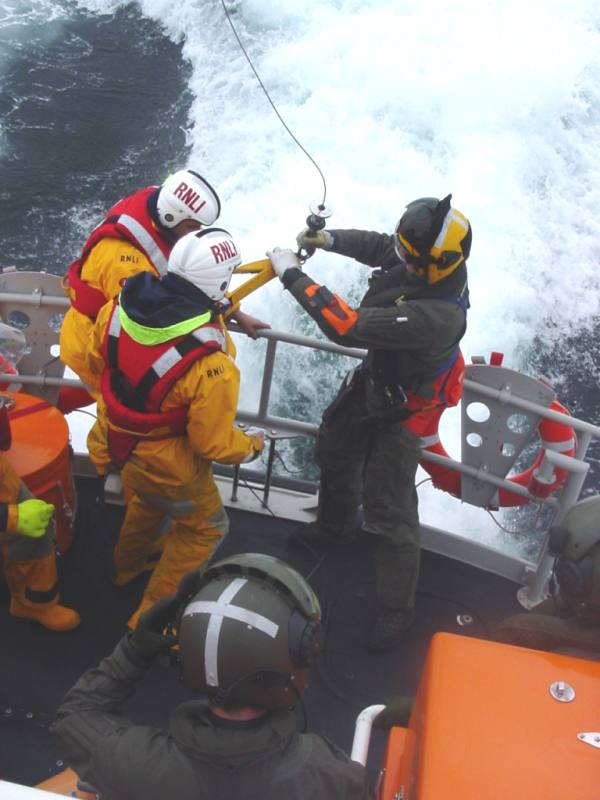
(188, 196)
(223, 251)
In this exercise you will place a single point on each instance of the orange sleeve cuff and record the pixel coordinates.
(335, 311)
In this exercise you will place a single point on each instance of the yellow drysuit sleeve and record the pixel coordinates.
(110, 263)
(210, 389)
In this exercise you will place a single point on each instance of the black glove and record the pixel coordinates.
(396, 712)
(189, 585)
(151, 636)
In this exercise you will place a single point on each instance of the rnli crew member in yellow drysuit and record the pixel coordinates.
(411, 319)
(169, 392)
(136, 235)
(27, 550)
(248, 636)
(569, 620)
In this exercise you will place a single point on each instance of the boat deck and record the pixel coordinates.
(38, 666)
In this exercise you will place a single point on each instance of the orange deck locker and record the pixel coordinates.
(41, 456)
(494, 721)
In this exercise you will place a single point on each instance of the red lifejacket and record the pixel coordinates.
(447, 391)
(149, 371)
(129, 220)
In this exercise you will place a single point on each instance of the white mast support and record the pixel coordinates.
(362, 733)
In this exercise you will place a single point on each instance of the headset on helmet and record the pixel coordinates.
(576, 545)
(187, 195)
(207, 259)
(435, 237)
(250, 633)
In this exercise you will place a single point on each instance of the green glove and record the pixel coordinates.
(309, 240)
(396, 712)
(33, 517)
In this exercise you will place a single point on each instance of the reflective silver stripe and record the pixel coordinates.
(147, 242)
(165, 362)
(210, 335)
(172, 356)
(174, 508)
(427, 441)
(450, 216)
(559, 447)
(222, 609)
(114, 329)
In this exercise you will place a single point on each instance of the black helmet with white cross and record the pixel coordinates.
(250, 633)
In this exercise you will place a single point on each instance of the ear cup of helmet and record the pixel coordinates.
(575, 578)
(304, 637)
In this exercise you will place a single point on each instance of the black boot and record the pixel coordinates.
(320, 535)
(388, 630)
(396, 575)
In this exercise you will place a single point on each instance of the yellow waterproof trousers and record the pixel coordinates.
(29, 565)
(197, 519)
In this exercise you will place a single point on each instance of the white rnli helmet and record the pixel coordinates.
(206, 259)
(187, 195)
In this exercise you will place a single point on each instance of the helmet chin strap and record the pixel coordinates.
(220, 306)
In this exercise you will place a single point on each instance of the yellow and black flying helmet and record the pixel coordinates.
(435, 237)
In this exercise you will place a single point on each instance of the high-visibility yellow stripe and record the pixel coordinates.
(144, 335)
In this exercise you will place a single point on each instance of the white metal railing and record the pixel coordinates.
(288, 425)
(534, 575)
(362, 733)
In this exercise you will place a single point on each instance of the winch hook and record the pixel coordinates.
(315, 221)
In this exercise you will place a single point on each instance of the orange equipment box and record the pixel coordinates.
(41, 457)
(65, 782)
(495, 721)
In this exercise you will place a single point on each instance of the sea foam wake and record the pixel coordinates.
(496, 102)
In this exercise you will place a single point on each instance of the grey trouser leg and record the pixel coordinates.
(340, 453)
(376, 464)
(391, 512)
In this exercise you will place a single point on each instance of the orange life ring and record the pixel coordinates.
(554, 436)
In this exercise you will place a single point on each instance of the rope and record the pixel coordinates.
(273, 106)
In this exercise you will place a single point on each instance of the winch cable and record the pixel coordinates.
(319, 212)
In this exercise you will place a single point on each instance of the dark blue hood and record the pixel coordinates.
(161, 302)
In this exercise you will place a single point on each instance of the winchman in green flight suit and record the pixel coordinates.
(411, 321)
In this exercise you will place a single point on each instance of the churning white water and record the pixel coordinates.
(496, 102)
